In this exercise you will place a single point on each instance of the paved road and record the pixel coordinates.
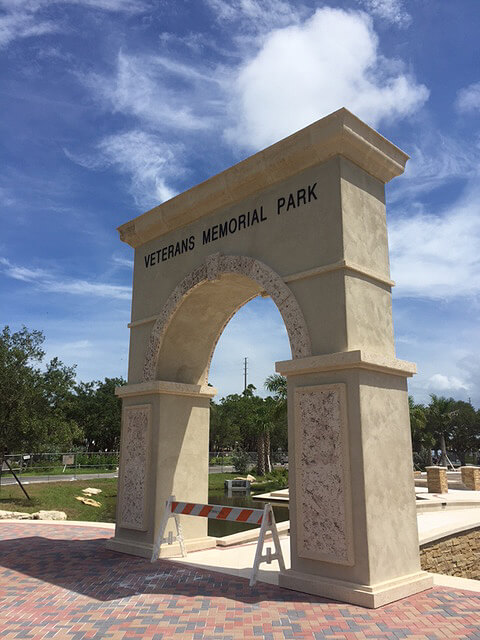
(7, 479)
(65, 477)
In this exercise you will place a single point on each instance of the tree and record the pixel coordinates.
(248, 422)
(224, 432)
(422, 438)
(33, 403)
(277, 385)
(464, 429)
(439, 421)
(98, 411)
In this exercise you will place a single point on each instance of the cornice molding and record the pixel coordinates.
(340, 133)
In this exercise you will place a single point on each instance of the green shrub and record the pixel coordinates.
(279, 476)
(241, 461)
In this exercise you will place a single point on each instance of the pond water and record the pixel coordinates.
(219, 528)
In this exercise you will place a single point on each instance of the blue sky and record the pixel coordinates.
(109, 107)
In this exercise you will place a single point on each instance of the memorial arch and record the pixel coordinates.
(303, 222)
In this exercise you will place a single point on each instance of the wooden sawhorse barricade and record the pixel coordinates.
(263, 517)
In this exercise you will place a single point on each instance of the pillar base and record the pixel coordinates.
(144, 550)
(371, 596)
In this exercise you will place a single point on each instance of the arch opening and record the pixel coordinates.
(184, 337)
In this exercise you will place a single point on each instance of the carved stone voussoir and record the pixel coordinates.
(323, 476)
(133, 480)
(212, 263)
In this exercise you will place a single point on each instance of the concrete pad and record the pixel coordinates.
(238, 561)
(432, 526)
(440, 580)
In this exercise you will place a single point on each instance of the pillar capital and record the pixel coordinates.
(157, 387)
(345, 360)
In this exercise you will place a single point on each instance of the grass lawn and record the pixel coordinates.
(60, 496)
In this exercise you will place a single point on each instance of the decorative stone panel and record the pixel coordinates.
(211, 269)
(323, 496)
(134, 465)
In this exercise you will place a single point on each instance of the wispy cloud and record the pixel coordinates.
(17, 24)
(45, 281)
(437, 255)
(26, 18)
(257, 16)
(148, 161)
(468, 99)
(435, 159)
(159, 92)
(123, 262)
(392, 11)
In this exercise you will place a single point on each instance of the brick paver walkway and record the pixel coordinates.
(61, 582)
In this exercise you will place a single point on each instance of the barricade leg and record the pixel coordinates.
(167, 514)
(268, 524)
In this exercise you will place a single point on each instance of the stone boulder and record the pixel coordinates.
(14, 515)
(49, 515)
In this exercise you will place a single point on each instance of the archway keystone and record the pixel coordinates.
(323, 259)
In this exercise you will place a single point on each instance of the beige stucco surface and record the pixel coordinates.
(319, 248)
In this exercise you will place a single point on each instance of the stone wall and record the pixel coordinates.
(456, 555)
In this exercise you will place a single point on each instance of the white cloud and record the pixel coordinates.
(144, 157)
(392, 11)
(48, 282)
(303, 72)
(441, 383)
(298, 73)
(438, 255)
(468, 99)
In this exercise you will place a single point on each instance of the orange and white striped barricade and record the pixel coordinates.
(263, 517)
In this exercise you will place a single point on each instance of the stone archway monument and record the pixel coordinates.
(303, 222)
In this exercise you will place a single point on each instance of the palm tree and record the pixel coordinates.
(277, 385)
(422, 439)
(439, 420)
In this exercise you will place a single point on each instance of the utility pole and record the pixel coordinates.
(245, 374)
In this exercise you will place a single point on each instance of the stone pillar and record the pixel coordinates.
(471, 477)
(352, 503)
(437, 479)
(164, 451)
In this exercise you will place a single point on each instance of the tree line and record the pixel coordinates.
(444, 425)
(44, 409)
